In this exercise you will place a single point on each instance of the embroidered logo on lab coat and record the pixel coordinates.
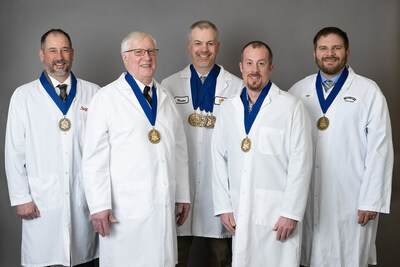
(84, 108)
(350, 99)
(218, 100)
(181, 99)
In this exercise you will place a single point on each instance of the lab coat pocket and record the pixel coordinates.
(46, 192)
(136, 200)
(270, 140)
(267, 205)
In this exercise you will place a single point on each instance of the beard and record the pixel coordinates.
(254, 85)
(331, 70)
(60, 73)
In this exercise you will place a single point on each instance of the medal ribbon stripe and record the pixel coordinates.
(326, 103)
(203, 94)
(250, 118)
(151, 112)
(63, 106)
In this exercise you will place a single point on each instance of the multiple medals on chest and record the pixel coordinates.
(64, 124)
(151, 112)
(203, 95)
(249, 117)
(323, 122)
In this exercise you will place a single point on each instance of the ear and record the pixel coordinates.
(241, 67)
(124, 58)
(217, 48)
(72, 54)
(314, 54)
(188, 47)
(348, 53)
(271, 68)
(41, 55)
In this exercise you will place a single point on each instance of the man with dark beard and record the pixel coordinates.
(353, 158)
(261, 152)
(43, 155)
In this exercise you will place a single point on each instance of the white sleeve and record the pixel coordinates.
(96, 157)
(15, 151)
(376, 185)
(299, 167)
(220, 179)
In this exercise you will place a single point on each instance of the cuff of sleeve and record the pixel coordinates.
(21, 200)
(219, 212)
(291, 216)
(379, 209)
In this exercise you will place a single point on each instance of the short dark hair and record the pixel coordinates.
(203, 24)
(257, 44)
(332, 30)
(43, 39)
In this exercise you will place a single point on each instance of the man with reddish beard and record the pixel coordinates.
(198, 91)
(135, 163)
(45, 128)
(353, 158)
(261, 150)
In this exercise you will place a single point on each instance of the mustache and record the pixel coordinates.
(60, 61)
(325, 58)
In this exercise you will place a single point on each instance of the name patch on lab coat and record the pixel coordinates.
(218, 100)
(181, 99)
(350, 99)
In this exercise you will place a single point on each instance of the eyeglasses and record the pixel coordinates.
(140, 52)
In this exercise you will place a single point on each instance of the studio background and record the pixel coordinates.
(287, 26)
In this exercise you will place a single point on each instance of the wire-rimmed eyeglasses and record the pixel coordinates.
(140, 52)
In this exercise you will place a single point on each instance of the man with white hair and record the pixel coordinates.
(135, 163)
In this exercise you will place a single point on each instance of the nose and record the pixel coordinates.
(59, 55)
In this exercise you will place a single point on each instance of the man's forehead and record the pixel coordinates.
(142, 41)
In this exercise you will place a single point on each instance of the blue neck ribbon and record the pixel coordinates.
(326, 103)
(151, 113)
(250, 118)
(63, 106)
(203, 94)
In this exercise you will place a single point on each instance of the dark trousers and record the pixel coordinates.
(93, 263)
(219, 249)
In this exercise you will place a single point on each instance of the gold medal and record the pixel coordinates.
(323, 123)
(64, 124)
(194, 119)
(203, 120)
(246, 144)
(154, 136)
(209, 123)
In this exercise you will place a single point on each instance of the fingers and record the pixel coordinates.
(182, 213)
(111, 218)
(100, 222)
(284, 228)
(228, 222)
(28, 211)
(365, 216)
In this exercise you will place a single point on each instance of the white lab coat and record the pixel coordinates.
(352, 171)
(43, 164)
(269, 181)
(138, 180)
(201, 220)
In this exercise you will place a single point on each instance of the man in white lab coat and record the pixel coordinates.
(44, 140)
(261, 151)
(135, 164)
(353, 158)
(194, 94)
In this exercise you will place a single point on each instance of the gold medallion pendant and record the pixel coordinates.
(210, 121)
(246, 144)
(323, 123)
(194, 119)
(203, 120)
(64, 124)
(154, 136)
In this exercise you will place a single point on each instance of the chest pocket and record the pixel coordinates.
(270, 140)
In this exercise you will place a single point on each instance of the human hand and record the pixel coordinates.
(28, 211)
(183, 211)
(284, 227)
(228, 221)
(100, 222)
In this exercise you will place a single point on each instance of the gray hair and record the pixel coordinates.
(136, 35)
(203, 24)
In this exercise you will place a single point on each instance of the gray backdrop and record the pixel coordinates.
(98, 26)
